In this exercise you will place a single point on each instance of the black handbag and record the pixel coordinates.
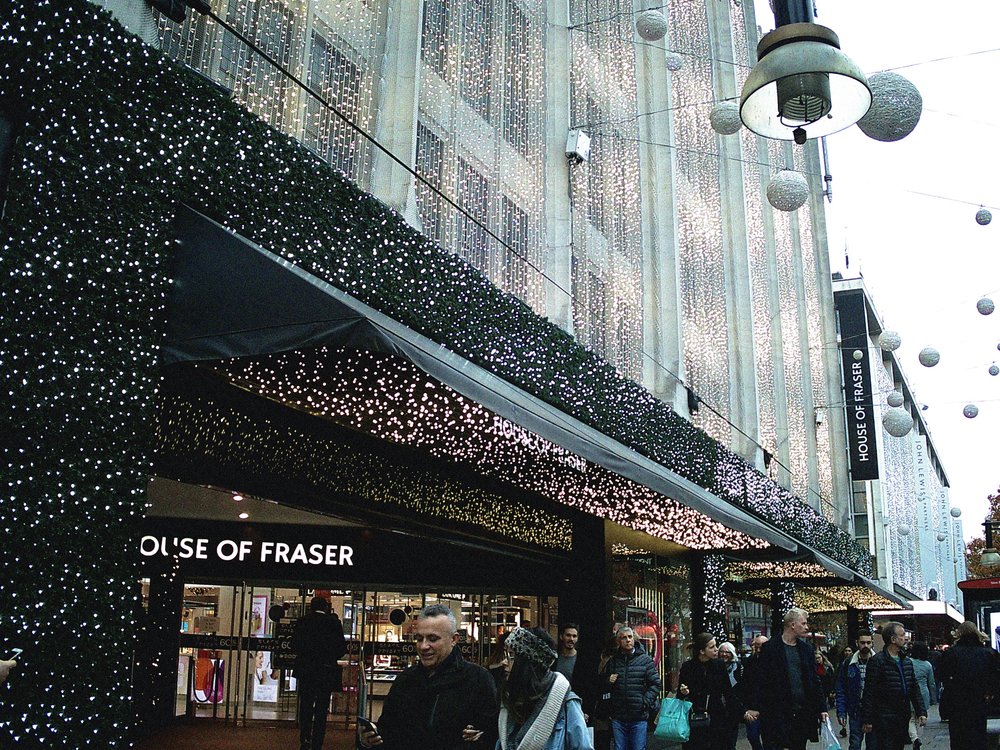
(699, 718)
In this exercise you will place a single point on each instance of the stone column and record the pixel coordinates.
(398, 100)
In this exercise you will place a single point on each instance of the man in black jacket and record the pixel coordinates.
(788, 699)
(890, 690)
(318, 643)
(635, 691)
(441, 703)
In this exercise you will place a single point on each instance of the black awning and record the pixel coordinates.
(232, 298)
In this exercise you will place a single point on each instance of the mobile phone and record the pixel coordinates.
(367, 725)
(14, 653)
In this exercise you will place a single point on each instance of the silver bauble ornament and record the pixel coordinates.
(897, 422)
(971, 411)
(942, 537)
(956, 512)
(651, 25)
(889, 341)
(895, 110)
(983, 216)
(903, 529)
(674, 62)
(994, 370)
(985, 306)
(858, 355)
(929, 356)
(788, 190)
(894, 399)
(725, 118)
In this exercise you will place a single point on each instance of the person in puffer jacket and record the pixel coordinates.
(890, 691)
(634, 683)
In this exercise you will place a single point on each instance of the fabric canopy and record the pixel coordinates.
(232, 298)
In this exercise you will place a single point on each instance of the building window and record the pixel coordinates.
(514, 125)
(514, 262)
(434, 50)
(473, 197)
(257, 84)
(338, 81)
(430, 163)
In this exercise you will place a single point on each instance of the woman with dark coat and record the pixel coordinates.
(704, 681)
(969, 672)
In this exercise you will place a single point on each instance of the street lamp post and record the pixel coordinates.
(990, 557)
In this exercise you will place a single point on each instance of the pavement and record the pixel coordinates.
(209, 734)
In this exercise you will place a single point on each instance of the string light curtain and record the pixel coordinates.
(481, 137)
(332, 46)
(698, 199)
(899, 492)
(607, 226)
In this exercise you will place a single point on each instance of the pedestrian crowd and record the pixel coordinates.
(539, 694)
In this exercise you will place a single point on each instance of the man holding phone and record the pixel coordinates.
(8, 665)
(440, 703)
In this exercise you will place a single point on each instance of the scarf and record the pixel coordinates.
(534, 734)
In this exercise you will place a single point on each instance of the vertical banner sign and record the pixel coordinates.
(857, 385)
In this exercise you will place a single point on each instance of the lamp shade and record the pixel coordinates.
(820, 87)
(990, 558)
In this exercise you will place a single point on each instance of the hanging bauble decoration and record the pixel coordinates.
(788, 190)
(941, 537)
(994, 370)
(894, 399)
(956, 512)
(889, 341)
(674, 62)
(903, 529)
(985, 306)
(725, 118)
(897, 422)
(895, 110)
(651, 25)
(858, 355)
(983, 216)
(929, 356)
(971, 411)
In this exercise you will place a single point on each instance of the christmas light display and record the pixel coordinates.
(394, 401)
(115, 136)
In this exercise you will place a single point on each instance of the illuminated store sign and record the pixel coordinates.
(243, 549)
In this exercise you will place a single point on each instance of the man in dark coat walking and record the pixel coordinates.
(789, 699)
(318, 643)
(635, 691)
(442, 702)
(970, 674)
(890, 689)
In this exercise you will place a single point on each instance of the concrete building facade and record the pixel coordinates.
(659, 251)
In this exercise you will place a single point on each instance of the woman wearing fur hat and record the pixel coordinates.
(538, 710)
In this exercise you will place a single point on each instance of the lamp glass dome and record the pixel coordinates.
(990, 558)
(807, 60)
